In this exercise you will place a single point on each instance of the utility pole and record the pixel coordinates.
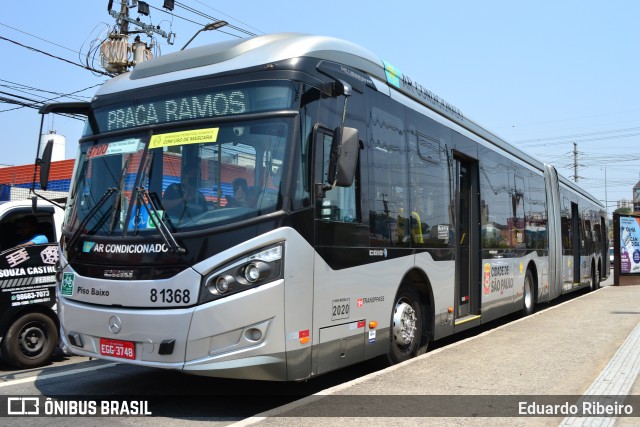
(117, 54)
(124, 11)
(606, 199)
(575, 162)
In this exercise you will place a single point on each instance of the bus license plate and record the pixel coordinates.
(117, 348)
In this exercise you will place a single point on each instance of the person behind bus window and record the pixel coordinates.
(240, 194)
(183, 201)
(27, 227)
(276, 177)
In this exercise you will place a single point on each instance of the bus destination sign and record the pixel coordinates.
(176, 109)
(202, 103)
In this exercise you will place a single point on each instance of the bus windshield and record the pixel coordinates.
(188, 177)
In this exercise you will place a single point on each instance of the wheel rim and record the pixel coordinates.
(404, 324)
(31, 339)
(528, 297)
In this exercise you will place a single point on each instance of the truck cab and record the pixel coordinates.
(28, 321)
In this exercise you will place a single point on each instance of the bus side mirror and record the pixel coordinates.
(344, 156)
(45, 164)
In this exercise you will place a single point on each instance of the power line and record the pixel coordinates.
(578, 135)
(235, 19)
(39, 38)
(36, 104)
(569, 119)
(204, 15)
(177, 16)
(55, 57)
(193, 22)
(570, 139)
(28, 89)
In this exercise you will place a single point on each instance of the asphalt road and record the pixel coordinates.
(179, 399)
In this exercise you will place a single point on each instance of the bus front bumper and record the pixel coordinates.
(241, 336)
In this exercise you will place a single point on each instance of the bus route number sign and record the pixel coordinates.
(340, 308)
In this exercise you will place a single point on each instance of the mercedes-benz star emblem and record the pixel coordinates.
(115, 324)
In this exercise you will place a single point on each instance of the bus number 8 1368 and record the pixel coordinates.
(168, 296)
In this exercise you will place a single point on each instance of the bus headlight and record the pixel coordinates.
(256, 271)
(221, 285)
(261, 267)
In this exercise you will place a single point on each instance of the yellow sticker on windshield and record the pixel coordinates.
(172, 139)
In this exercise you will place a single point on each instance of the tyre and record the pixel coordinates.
(595, 279)
(529, 306)
(409, 337)
(30, 341)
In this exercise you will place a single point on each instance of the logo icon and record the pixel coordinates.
(50, 255)
(487, 279)
(66, 287)
(115, 324)
(87, 246)
(23, 406)
(17, 257)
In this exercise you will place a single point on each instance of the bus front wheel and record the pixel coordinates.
(408, 338)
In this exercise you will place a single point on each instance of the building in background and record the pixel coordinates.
(636, 198)
(15, 181)
(624, 204)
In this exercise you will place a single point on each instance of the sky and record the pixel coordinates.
(542, 74)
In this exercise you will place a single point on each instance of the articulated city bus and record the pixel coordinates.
(283, 206)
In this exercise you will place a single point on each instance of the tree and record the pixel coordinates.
(623, 211)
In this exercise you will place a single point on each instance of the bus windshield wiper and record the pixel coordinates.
(145, 200)
(117, 203)
(107, 194)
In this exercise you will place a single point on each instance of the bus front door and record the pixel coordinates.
(467, 274)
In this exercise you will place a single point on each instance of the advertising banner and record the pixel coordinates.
(629, 245)
(27, 275)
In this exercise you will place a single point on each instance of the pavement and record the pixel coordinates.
(533, 371)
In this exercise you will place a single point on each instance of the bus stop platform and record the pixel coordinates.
(573, 363)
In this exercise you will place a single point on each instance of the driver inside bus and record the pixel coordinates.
(240, 194)
(183, 201)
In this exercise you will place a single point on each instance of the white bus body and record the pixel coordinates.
(329, 210)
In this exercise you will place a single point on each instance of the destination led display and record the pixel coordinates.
(201, 104)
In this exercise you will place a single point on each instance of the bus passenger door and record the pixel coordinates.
(467, 274)
(577, 240)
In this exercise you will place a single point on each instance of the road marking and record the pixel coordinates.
(56, 375)
(615, 381)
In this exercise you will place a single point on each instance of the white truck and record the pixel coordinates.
(28, 321)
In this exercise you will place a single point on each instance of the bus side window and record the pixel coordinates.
(389, 209)
(428, 186)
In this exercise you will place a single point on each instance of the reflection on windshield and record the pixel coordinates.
(104, 168)
(194, 177)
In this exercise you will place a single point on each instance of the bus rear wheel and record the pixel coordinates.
(408, 338)
(30, 341)
(529, 299)
(595, 279)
